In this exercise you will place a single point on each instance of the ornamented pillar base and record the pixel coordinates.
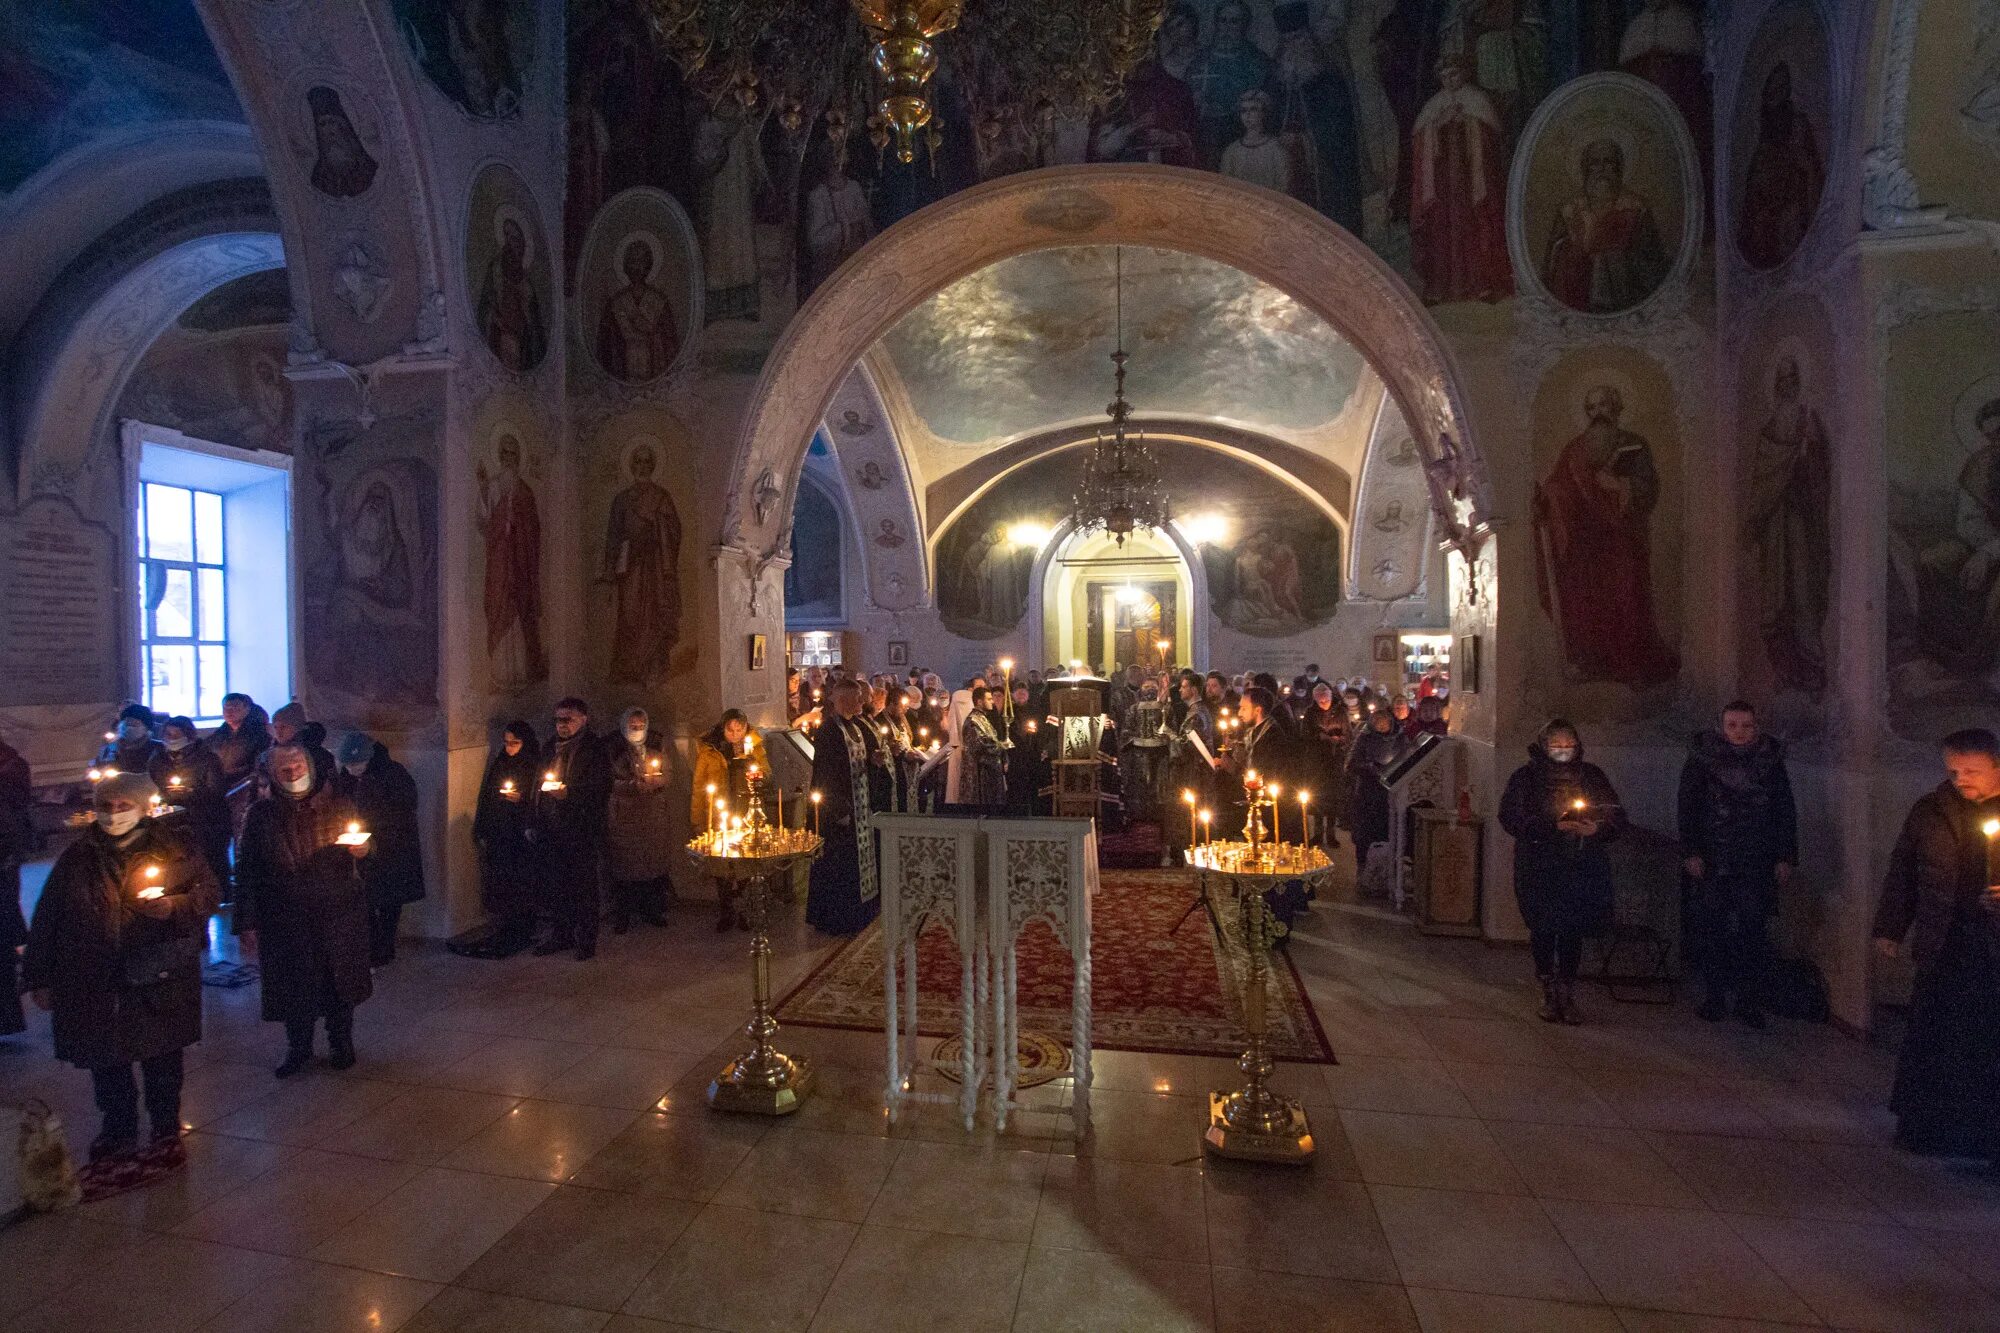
(1278, 1132)
(776, 1085)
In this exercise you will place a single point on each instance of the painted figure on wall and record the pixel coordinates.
(730, 165)
(1257, 156)
(1786, 520)
(512, 317)
(342, 167)
(1784, 179)
(642, 554)
(983, 580)
(1268, 587)
(1604, 253)
(637, 335)
(1593, 549)
(630, 114)
(1315, 120)
(1507, 42)
(1156, 120)
(1458, 210)
(836, 214)
(1230, 67)
(473, 50)
(1664, 46)
(1958, 594)
(510, 522)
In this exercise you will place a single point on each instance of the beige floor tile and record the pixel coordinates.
(1472, 1312)
(1662, 1321)
(1593, 1163)
(39, 1256)
(1972, 1254)
(1679, 1103)
(218, 1088)
(1144, 1127)
(1080, 1291)
(434, 1226)
(619, 1076)
(511, 1066)
(1619, 1046)
(1142, 1209)
(1428, 1152)
(302, 1112)
(1916, 1191)
(685, 1156)
(541, 1140)
(844, 1100)
(456, 1310)
(300, 1203)
(812, 1174)
(1492, 1243)
(896, 1281)
(1247, 1302)
(991, 1193)
(1381, 1083)
(420, 1125)
(1490, 1041)
(156, 1284)
(217, 1166)
(1149, 1071)
(409, 1052)
(583, 1247)
(1294, 1221)
(694, 1030)
(319, 1298)
(1362, 1028)
(631, 1323)
(1545, 1094)
(1673, 1259)
(1760, 1176)
(1816, 1114)
(744, 1271)
(1879, 1277)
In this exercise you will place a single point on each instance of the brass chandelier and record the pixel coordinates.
(1051, 58)
(1121, 490)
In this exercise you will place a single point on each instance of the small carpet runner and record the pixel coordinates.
(1153, 988)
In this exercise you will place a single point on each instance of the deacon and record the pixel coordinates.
(1942, 891)
(302, 906)
(851, 774)
(571, 804)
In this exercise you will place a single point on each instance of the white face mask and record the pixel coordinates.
(636, 735)
(118, 823)
(175, 744)
(356, 770)
(131, 729)
(1563, 754)
(299, 786)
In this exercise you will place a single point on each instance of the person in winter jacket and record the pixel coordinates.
(1942, 892)
(189, 777)
(639, 839)
(1561, 813)
(17, 843)
(568, 831)
(114, 953)
(723, 758)
(302, 906)
(1740, 839)
(1370, 759)
(129, 747)
(500, 828)
(385, 800)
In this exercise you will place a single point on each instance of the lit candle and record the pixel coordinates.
(1206, 836)
(654, 764)
(154, 888)
(174, 781)
(507, 788)
(711, 807)
(1305, 823)
(1272, 792)
(355, 835)
(550, 782)
(815, 800)
(1188, 797)
(1991, 828)
(110, 736)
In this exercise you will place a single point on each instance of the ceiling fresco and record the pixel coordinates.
(1026, 343)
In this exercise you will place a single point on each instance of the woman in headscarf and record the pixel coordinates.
(1323, 769)
(189, 775)
(115, 954)
(723, 758)
(1379, 748)
(982, 777)
(500, 826)
(639, 830)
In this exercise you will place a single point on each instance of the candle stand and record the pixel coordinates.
(1252, 1122)
(763, 1080)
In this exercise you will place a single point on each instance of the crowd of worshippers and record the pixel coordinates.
(316, 851)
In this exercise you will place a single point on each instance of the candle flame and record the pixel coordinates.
(815, 798)
(1991, 828)
(1579, 804)
(1305, 796)
(152, 872)
(1187, 796)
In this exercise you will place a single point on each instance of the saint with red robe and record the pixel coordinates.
(1594, 550)
(1604, 254)
(1785, 177)
(511, 524)
(1458, 194)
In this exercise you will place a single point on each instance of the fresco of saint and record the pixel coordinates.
(1604, 253)
(642, 553)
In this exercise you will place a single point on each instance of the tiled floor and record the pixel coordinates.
(524, 1147)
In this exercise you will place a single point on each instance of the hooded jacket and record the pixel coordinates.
(1736, 808)
(1562, 880)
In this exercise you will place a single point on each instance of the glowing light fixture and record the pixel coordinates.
(1121, 491)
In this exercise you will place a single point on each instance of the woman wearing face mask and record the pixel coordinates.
(115, 953)
(189, 776)
(723, 759)
(385, 799)
(1327, 739)
(130, 748)
(302, 905)
(1374, 753)
(1561, 812)
(639, 830)
(500, 827)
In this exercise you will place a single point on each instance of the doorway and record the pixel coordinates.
(1132, 624)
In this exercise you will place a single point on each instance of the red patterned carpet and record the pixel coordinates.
(1151, 990)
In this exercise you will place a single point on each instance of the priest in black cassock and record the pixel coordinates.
(851, 774)
(1943, 891)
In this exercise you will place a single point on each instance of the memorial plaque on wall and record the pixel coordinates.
(59, 598)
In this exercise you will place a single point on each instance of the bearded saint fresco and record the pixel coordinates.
(510, 522)
(636, 335)
(342, 167)
(1786, 522)
(511, 317)
(1784, 179)
(642, 553)
(1604, 253)
(1594, 550)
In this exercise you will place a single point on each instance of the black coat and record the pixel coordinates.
(89, 929)
(1736, 808)
(573, 821)
(385, 799)
(1938, 875)
(500, 827)
(1562, 881)
(239, 749)
(194, 781)
(303, 895)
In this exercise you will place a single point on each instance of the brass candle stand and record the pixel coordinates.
(748, 856)
(1252, 1122)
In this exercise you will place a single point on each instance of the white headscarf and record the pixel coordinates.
(954, 730)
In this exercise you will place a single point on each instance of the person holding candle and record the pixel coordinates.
(189, 775)
(1943, 892)
(568, 828)
(1327, 738)
(638, 830)
(507, 881)
(385, 801)
(982, 781)
(1739, 831)
(723, 758)
(850, 772)
(114, 953)
(129, 746)
(17, 844)
(1373, 755)
(291, 726)
(302, 906)
(1561, 813)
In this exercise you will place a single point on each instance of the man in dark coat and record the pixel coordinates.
(190, 777)
(850, 773)
(115, 954)
(1561, 812)
(17, 842)
(385, 800)
(1943, 891)
(571, 806)
(302, 906)
(1740, 839)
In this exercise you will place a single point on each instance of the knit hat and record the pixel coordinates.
(292, 714)
(356, 747)
(139, 711)
(134, 787)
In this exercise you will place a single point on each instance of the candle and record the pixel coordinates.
(1188, 796)
(815, 800)
(1305, 822)
(654, 764)
(1991, 829)
(1277, 820)
(711, 807)
(550, 782)
(507, 788)
(174, 781)
(355, 835)
(110, 736)
(781, 807)
(154, 888)
(1205, 835)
